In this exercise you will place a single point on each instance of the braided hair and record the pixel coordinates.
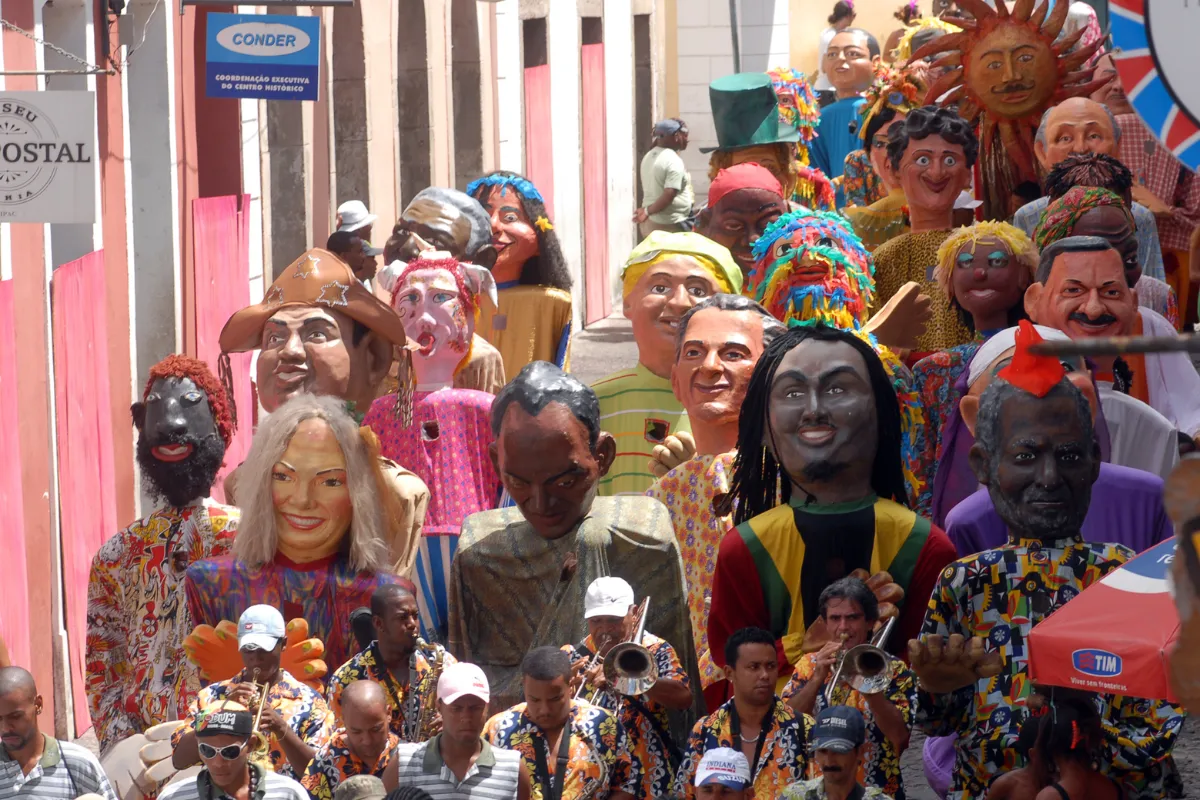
(548, 267)
(759, 482)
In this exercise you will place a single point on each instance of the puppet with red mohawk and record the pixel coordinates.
(1003, 70)
(136, 613)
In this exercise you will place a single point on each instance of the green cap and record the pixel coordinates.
(745, 112)
(714, 256)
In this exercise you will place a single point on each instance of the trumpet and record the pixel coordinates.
(261, 747)
(863, 668)
(629, 667)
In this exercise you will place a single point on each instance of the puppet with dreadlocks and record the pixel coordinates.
(136, 617)
(821, 430)
(531, 320)
(876, 204)
(1005, 69)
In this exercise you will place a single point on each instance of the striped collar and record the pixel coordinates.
(51, 753)
(433, 762)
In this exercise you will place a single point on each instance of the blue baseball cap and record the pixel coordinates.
(840, 729)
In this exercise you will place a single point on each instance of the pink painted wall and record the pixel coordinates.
(539, 166)
(14, 592)
(87, 500)
(595, 185)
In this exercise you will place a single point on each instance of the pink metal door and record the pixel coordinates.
(14, 592)
(539, 167)
(87, 500)
(222, 275)
(595, 186)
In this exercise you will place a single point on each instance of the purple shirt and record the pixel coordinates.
(1127, 508)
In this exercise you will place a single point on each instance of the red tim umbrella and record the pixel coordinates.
(1116, 636)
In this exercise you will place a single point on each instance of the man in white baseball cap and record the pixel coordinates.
(723, 773)
(459, 762)
(295, 718)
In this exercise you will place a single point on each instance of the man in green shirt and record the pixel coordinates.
(667, 193)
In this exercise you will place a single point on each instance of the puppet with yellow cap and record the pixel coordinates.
(665, 275)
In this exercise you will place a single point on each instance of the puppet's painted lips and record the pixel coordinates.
(303, 523)
(171, 452)
(286, 378)
(811, 274)
(716, 388)
(816, 435)
(937, 187)
(982, 294)
(426, 342)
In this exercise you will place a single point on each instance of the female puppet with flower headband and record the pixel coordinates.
(532, 321)
(877, 207)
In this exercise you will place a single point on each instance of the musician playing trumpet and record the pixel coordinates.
(295, 720)
(850, 611)
(612, 617)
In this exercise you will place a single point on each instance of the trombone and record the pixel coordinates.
(588, 668)
(864, 668)
(629, 667)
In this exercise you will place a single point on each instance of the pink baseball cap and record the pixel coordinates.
(462, 679)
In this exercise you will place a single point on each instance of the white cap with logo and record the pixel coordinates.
(725, 766)
(260, 627)
(462, 679)
(607, 597)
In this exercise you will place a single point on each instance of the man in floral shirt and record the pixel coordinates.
(399, 660)
(1036, 453)
(850, 611)
(838, 743)
(551, 726)
(362, 746)
(295, 719)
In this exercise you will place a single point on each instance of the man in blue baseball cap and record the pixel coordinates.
(837, 746)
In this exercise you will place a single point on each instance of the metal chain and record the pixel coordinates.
(51, 45)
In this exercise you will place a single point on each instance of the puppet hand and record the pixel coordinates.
(302, 655)
(816, 636)
(902, 319)
(675, 450)
(1150, 200)
(153, 768)
(886, 591)
(214, 651)
(942, 667)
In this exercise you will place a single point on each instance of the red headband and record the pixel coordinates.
(742, 176)
(1033, 373)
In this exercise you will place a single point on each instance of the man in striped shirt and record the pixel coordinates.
(223, 739)
(665, 275)
(458, 762)
(32, 764)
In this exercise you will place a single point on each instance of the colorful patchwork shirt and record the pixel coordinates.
(302, 709)
(598, 760)
(646, 722)
(880, 765)
(781, 762)
(405, 703)
(1001, 594)
(334, 762)
(137, 617)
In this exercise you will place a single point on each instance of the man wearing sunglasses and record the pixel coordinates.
(222, 735)
(295, 718)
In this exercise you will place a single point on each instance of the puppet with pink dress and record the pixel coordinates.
(437, 298)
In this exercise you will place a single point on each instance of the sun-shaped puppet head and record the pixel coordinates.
(1004, 69)
(811, 266)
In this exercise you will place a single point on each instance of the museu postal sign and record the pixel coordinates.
(47, 157)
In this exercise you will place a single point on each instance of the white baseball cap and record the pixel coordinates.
(607, 597)
(353, 214)
(725, 766)
(260, 627)
(462, 679)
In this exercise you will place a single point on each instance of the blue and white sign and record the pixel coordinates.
(263, 57)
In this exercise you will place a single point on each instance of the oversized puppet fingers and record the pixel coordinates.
(214, 651)
(302, 654)
(886, 591)
(675, 450)
(140, 766)
(903, 318)
(945, 665)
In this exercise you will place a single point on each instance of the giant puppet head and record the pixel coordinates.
(887, 102)
(984, 270)
(1005, 70)
(184, 422)
(527, 249)
(930, 156)
(812, 267)
(1080, 289)
(750, 128)
(320, 331)
(437, 298)
(442, 219)
(743, 201)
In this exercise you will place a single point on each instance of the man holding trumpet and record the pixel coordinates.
(294, 718)
(613, 617)
(853, 670)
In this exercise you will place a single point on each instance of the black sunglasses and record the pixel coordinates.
(229, 752)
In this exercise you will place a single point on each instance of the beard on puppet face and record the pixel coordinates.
(181, 482)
